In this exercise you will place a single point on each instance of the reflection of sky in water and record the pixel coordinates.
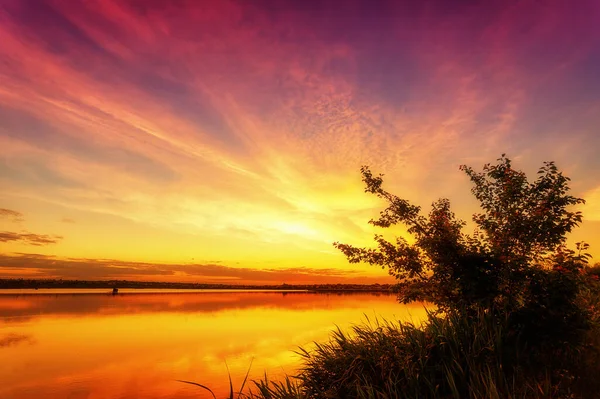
(130, 346)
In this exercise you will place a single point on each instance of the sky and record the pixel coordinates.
(221, 141)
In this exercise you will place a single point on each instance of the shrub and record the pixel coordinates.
(522, 225)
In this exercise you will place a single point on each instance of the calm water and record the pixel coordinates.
(91, 344)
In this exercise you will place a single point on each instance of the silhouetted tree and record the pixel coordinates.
(515, 257)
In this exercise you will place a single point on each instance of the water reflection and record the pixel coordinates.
(137, 345)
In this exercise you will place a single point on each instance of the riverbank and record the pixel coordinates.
(475, 354)
(128, 284)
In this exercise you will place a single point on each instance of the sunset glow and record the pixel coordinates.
(221, 141)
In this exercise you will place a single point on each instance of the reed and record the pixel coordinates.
(470, 354)
(455, 356)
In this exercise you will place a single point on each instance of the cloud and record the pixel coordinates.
(67, 220)
(29, 238)
(12, 339)
(47, 266)
(27, 172)
(11, 215)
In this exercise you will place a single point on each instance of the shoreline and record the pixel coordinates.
(32, 284)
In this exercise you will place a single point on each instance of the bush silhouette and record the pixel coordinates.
(520, 236)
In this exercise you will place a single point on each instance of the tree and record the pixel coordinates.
(520, 235)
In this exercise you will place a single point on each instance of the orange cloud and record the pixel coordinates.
(12, 339)
(53, 267)
(29, 238)
(11, 215)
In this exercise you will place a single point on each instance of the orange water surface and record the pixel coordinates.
(136, 345)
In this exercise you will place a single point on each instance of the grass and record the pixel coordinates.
(480, 355)
(441, 359)
(231, 391)
(449, 357)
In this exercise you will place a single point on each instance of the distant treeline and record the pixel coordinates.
(109, 284)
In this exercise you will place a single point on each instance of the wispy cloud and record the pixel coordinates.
(11, 215)
(12, 339)
(29, 238)
(44, 266)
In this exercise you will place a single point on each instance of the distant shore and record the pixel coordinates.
(110, 284)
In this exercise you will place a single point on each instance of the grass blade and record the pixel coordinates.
(201, 386)
(230, 383)
(246, 377)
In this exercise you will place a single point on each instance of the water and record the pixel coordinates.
(89, 344)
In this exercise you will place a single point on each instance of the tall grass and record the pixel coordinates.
(474, 355)
(450, 357)
(232, 393)
(455, 356)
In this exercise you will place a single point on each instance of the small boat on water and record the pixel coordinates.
(115, 291)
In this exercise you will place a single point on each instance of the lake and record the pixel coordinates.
(72, 344)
